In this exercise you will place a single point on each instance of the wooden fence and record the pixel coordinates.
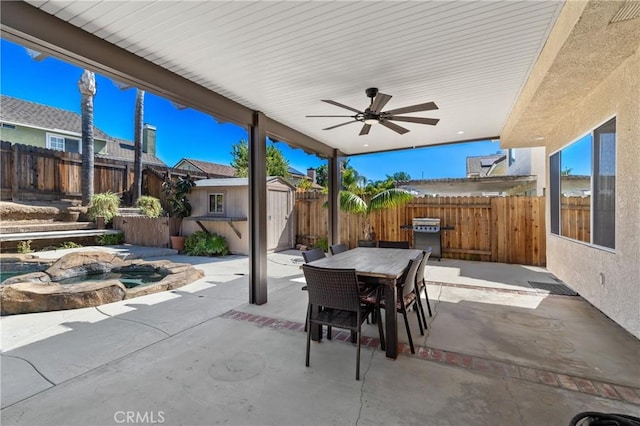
(146, 231)
(497, 229)
(31, 173)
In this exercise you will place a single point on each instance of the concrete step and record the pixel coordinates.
(14, 227)
(130, 211)
(51, 235)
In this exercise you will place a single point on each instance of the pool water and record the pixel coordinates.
(128, 279)
(5, 275)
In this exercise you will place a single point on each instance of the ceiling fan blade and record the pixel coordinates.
(317, 116)
(341, 105)
(379, 102)
(365, 129)
(338, 125)
(394, 127)
(414, 108)
(421, 120)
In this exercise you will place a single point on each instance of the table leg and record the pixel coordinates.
(391, 323)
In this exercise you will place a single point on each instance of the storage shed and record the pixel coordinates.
(221, 206)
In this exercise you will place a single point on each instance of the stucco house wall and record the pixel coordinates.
(38, 137)
(610, 280)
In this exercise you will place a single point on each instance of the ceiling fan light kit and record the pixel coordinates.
(374, 114)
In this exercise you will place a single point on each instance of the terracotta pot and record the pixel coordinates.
(177, 242)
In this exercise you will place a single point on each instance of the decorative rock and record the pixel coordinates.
(37, 292)
(34, 277)
(78, 264)
(32, 297)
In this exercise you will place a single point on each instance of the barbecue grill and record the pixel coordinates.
(426, 233)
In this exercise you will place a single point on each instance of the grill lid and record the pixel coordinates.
(426, 221)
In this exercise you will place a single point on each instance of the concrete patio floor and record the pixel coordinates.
(497, 352)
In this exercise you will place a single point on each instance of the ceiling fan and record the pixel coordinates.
(374, 114)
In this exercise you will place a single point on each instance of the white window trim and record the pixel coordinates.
(224, 198)
(58, 135)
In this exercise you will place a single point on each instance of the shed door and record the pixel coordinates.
(279, 220)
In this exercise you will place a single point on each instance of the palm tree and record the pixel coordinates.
(353, 203)
(137, 161)
(87, 87)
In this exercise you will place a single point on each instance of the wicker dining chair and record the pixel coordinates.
(393, 244)
(421, 284)
(313, 254)
(337, 248)
(406, 298)
(310, 256)
(337, 292)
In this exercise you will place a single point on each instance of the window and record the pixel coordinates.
(582, 188)
(512, 156)
(8, 126)
(63, 143)
(216, 203)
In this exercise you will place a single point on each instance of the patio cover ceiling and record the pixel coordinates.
(282, 58)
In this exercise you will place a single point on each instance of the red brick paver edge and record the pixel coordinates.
(470, 362)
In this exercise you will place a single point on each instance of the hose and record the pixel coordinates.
(592, 418)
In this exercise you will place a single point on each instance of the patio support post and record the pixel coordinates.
(335, 182)
(258, 210)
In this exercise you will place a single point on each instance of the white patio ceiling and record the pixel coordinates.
(282, 58)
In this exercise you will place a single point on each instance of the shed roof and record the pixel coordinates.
(228, 182)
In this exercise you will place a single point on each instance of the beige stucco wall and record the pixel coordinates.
(608, 280)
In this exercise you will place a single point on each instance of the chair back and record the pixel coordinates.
(367, 243)
(393, 244)
(409, 282)
(332, 288)
(420, 273)
(313, 254)
(338, 248)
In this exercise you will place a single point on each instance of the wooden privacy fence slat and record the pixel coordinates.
(146, 231)
(498, 229)
(34, 173)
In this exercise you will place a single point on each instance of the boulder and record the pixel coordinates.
(84, 263)
(31, 297)
(34, 277)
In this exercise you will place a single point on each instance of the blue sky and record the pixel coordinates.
(192, 134)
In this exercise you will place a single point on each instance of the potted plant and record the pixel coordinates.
(179, 206)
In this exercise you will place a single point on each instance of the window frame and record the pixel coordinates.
(216, 193)
(594, 166)
(64, 142)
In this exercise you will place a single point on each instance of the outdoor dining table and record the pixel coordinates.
(379, 265)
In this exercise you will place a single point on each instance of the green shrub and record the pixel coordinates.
(201, 243)
(68, 245)
(105, 204)
(110, 239)
(150, 206)
(24, 247)
(322, 243)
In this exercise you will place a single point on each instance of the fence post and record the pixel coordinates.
(15, 175)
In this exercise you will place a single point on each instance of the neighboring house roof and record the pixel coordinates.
(210, 168)
(482, 165)
(122, 149)
(465, 186)
(220, 182)
(46, 117)
(31, 114)
(296, 173)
